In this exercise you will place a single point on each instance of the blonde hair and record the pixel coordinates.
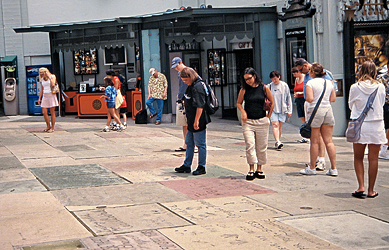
(368, 71)
(42, 70)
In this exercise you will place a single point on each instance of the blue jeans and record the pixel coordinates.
(198, 139)
(149, 104)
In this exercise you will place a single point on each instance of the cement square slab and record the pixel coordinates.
(129, 194)
(32, 228)
(134, 165)
(129, 219)
(48, 162)
(252, 234)
(348, 230)
(4, 151)
(86, 180)
(144, 240)
(75, 148)
(68, 170)
(225, 210)
(19, 174)
(34, 202)
(40, 129)
(153, 175)
(60, 177)
(205, 188)
(10, 162)
(113, 134)
(38, 151)
(21, 186)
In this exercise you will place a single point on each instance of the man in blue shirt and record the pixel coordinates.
(178, 65)
(303, 66)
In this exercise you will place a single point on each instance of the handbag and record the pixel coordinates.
(353, 132)
(267, 104)
(55, 88)
(118, 100)
(305, 128)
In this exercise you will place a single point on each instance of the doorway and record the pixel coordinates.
(237, 62)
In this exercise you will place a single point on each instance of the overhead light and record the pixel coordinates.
(203, 6)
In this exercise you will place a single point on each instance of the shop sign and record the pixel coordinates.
(242, 45)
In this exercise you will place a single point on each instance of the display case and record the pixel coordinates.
(216, 67)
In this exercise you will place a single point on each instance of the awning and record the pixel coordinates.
(8, 60)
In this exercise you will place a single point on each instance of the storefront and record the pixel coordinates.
(218, 43)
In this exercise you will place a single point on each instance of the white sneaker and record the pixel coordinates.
(320, 166)
(332, 172)
(308, 171)
(383, 155)
(279, 145)
(106, 129)
(303, 140)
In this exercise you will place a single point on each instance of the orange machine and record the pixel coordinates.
(71, 102)
(137, 104)
(90, 104)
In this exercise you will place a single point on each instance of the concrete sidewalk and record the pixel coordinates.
(80, 188)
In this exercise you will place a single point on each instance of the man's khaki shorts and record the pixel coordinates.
(180, 115)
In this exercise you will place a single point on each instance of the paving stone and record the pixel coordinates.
(4, 151)
(113, 134)
(344, 229)
(225, 210)
(19, 174)
(41, 227)
(24, 203)
(253, 234)
(144, 240)
(25, 151)
(149, 176)
(49, 162)
(133, 164)
(41, 128)
(205, 188)
(75, 148)
(62, 245)
(10, 162)
(130, 194)
(68, 170)
(129, 219)
(21, 186)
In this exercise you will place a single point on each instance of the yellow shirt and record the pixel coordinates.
(157, 86)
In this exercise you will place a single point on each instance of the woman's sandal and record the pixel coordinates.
(250, 176)
(46, 129)
(259, 175)
(152, 115)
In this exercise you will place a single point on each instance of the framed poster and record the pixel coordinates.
(373, 47)
(216, 67)
(82, 88)
(85, 62)
(296, 47)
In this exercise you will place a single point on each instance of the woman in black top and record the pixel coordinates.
(197, 119)
(255, 120)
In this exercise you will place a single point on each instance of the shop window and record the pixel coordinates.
(234, 18)
(235, 27)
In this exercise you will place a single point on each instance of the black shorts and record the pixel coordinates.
(123, 110)
(386, 116)
(300, 106)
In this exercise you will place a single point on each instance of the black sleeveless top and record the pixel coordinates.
(254, 100)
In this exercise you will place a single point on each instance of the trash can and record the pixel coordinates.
(11, 97)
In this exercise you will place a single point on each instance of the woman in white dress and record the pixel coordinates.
(372, 130)
(47, 99)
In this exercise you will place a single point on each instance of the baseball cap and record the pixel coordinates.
(152, 71)
(175, 62)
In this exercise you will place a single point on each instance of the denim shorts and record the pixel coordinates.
(110, 105)
(275, 117)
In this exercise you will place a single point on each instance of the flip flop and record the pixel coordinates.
(151, 116)
(47, 129)
(180, 149)
(372, 196)
(50, 131)
(359, 194)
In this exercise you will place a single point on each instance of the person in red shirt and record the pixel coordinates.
(299, 96)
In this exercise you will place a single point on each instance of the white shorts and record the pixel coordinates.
(180, 115)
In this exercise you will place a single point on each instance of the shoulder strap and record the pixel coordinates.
(318, 103)
(369, 105)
